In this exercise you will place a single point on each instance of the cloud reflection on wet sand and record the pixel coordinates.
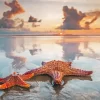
(75, 88)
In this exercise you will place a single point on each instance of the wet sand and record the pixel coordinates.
(74, 88)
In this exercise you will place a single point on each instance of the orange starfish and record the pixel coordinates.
(58, 69)
(15, 79)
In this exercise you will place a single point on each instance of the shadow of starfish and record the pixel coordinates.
(57, 87)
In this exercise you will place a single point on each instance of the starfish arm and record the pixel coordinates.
(78, 72)
(38, 71)
(3, 80)
(19, 81)
(69, 63)
(9, 83)
(57, 76)
(27, 76)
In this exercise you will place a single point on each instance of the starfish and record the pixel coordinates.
(15, 79)
(57, 70)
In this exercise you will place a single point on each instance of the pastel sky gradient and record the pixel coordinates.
(50, 11)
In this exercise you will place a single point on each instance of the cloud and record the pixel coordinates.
(33, 20)
(88, 23)
(15, 9)
(7, 21)
(11, 23)
(73, 17)
(94, 13)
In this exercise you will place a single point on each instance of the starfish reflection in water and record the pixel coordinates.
(57, 70)
(15, 79)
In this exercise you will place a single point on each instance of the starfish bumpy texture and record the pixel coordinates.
(15, 79)
(57, 70)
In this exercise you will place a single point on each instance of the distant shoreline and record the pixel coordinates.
(23, 32)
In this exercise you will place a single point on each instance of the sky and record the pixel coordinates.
(50, 11)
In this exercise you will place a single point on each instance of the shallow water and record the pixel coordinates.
(21, 53)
